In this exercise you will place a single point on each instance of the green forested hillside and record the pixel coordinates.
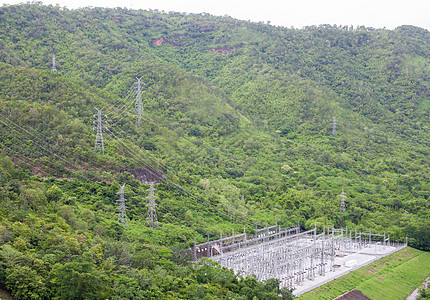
(237, 115)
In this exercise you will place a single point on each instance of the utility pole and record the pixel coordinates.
(151, 217)
(54, 69)
(342, 202)
(99, 127)
(138, 107)
(334, 127)
(122, 217)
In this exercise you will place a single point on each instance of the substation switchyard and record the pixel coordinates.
(300, 260)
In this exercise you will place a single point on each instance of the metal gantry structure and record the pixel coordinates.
(287, 254)
(99, 128)
(138, 107)
(342, 202)
(151, 217)
(122, 216)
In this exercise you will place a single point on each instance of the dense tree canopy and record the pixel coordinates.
(238, 118)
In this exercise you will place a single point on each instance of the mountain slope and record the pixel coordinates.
(238, 120)
(260, 115)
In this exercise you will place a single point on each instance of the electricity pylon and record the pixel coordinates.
(54, 69)
(99, 127)
(138, 107)
(122, 216)
(334, 126)
(342, 202)
(151, 217)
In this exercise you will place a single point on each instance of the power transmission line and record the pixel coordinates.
(129, 95)
(27, 163)
(172, 182)
(181, 188)
(138, 106)
(38, 137)
(150, 165)
(35, 141)
(118, 115)
(165, 167)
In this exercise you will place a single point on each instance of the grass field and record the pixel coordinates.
(392, 277)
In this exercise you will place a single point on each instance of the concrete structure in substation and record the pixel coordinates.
(300, 260)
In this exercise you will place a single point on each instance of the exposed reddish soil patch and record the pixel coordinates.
(162, 40)
(5, 294)
(35, 169)
(147, 175)
(159, 41)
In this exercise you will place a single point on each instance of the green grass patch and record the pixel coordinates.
(392, 277)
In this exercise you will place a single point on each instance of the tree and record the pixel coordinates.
(78, 280)
(25, 283)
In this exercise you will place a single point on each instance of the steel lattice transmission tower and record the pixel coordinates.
(334, 126)
(99, 127)
(54, 69)
(138, 107)
(342, 202)
(122, 216)
(151, 217)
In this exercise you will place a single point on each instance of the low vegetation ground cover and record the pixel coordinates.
(392, 277)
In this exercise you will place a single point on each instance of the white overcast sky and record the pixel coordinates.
(297, 13)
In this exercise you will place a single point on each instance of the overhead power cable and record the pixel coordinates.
(27, 163)
(47, 150)
(170, 181)
(39, 141)
(166, 168)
